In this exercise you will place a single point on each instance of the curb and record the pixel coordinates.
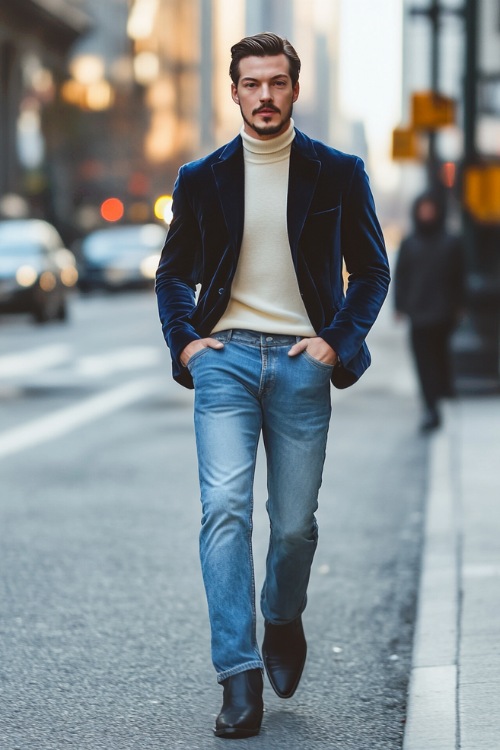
(432, 714)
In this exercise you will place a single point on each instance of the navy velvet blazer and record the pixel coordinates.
(330, 216)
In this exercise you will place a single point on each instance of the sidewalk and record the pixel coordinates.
(454, 696)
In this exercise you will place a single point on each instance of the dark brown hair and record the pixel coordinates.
(262, 45)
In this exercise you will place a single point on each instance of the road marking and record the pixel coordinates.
(25, 365)
(132, 358)
(55, 425)
(34, 360)
(481, 571)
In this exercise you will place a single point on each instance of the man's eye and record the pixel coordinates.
(249, 85)
(280, 83)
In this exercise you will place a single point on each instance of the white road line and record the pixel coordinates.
(132, 358)
(25, 365)
(34, 360)
(61, 422)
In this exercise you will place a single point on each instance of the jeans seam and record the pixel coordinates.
(263, 367)
(250, 552)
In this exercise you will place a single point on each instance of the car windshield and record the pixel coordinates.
(123, 241)
(26, 232)
(19, 249)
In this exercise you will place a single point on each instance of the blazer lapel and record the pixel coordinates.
(229, 174)
(230, 179)
(304, 172)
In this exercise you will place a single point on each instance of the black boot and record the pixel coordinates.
(242, 707)
(284, 652)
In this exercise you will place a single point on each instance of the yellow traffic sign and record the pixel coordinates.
(482, 192)
(405, 144)
(430, 110)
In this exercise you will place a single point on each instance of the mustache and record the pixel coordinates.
(271, 107)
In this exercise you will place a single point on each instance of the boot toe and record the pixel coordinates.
(284, 651)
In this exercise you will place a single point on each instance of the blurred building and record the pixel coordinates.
(451, 40)
(419, 72)
(488, 132)
(479, 347)
(107, 99)
(454, 48)
(35, 37)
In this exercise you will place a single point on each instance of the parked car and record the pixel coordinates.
(36, 270)
(120, 257)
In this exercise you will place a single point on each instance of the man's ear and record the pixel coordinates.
(296, 92)
(234, 94)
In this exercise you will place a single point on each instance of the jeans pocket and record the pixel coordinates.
(196, 356)
(317, 362)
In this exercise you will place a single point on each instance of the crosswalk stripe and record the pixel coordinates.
(65, 420)
(133, 358)
(44, 359)
(35, 360)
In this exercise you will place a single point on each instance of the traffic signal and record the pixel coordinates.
(481, 192)
(405, 144)
(430, 110)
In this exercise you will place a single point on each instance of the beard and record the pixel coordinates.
(264, 130)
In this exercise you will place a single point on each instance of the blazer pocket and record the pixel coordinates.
(327, 214)
(321, 233)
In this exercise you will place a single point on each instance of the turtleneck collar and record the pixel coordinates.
(271, 146)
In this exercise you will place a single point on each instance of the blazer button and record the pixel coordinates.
(221, 291)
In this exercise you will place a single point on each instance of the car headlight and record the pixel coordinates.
(26, 276)
(69, 276)
(149, 265)
(47, 281)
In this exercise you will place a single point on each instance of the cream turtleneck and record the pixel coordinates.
(265, 295)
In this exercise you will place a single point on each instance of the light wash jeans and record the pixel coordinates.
(248, 387)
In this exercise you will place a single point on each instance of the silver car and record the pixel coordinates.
(122, 257)
(36, 270)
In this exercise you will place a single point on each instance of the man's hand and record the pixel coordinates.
(196, 345)
(317, 348)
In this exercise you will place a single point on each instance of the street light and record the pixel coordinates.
(88, 88)
(87, 69)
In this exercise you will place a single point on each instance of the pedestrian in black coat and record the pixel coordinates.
(429, 290)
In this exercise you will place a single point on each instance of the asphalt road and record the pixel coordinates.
(103, 627)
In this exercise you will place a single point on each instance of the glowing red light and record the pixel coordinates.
(448, 173)
(112, 209)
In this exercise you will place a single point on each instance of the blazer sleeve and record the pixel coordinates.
(177, 273)
(365, 257)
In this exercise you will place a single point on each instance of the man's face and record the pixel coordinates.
(426, 212)
(265, 95)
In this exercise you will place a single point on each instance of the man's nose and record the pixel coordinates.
(265, 93)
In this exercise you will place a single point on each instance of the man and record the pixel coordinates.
(429, 289)
(262, 225)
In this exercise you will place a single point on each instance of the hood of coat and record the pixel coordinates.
(429, 213)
